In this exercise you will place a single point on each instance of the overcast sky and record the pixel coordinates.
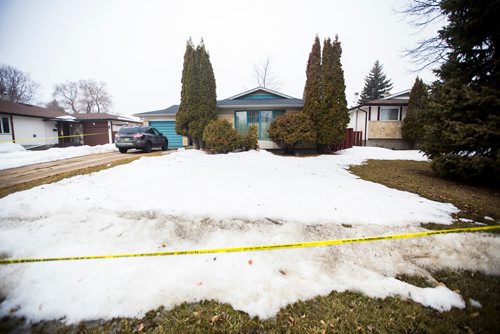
(137, 47)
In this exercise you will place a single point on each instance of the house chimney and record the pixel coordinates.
(5, 97)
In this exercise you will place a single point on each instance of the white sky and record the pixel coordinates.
(137, 47)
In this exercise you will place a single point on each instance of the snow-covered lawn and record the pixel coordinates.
(191, 200)
(14, 155)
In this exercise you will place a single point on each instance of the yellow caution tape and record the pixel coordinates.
(257, 248)
(36, 138)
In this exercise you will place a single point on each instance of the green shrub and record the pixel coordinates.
(250, 140)
(220, 136)
(475, 169)
(292, 129)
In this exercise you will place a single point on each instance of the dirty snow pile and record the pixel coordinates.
(14, 155)
(10, 147)
(191, 200)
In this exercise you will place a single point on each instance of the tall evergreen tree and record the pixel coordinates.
(187, 91)
(413, 124)
(312, 89)
(341, 112)
(198, 94)
(463, 129)
(206, 102)
(324, 93)
(376, 84)
(325, 125)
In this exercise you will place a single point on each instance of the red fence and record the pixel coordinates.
(351, 138)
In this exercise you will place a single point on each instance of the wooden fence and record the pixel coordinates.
(351, 138)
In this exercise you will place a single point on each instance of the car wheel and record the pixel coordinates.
(164, 147)
(147, 147)
(123, 150)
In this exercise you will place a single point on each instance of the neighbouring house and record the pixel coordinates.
(37, 127)
(101, 128)
(378, 122)
(258, 106)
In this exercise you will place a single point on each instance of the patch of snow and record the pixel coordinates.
(481, 224)
(8, 147)
(475, 303)
(489, 218)
(130, 118)
(466, 220)
(248, 185)
(360, 154)
(68, 117)
(192, 200)
(23, 158)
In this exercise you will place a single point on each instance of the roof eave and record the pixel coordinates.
(240, 106)
(260, 88)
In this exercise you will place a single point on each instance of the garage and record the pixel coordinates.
(168, 129)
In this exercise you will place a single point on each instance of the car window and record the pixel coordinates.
(129, 130)
(156, 132)
(150, 131)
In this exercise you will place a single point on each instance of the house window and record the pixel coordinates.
(5, 125)
(260, 118)
(389, 114)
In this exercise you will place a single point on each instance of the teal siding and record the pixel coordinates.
(168, 129)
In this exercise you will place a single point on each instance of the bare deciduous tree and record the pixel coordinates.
(431, 51)
(102, 99)
(17, 85)
(264, 76)
(66, 94)
(84, 96)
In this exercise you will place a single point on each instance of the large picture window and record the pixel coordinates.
(389, 114)
(5, 125)
(243, 119)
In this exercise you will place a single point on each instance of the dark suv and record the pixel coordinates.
(140, 137)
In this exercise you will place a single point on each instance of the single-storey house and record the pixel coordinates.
(379, 121)
(37, 127)
(258, 106)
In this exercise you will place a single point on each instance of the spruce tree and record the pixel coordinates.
(341, 112)
(413, 124)
(376, 84)
(312, 89)
(463, 120)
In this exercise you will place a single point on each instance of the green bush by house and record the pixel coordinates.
(292, 129)
(220, 137)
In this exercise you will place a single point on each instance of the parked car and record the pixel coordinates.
(140, 137)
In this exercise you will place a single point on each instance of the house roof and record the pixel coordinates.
(172, 110)
(259, 90)
(268, 102)
(23, 109)
(383, 102)
(103, 117)
(405, 94)
(258, 97)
